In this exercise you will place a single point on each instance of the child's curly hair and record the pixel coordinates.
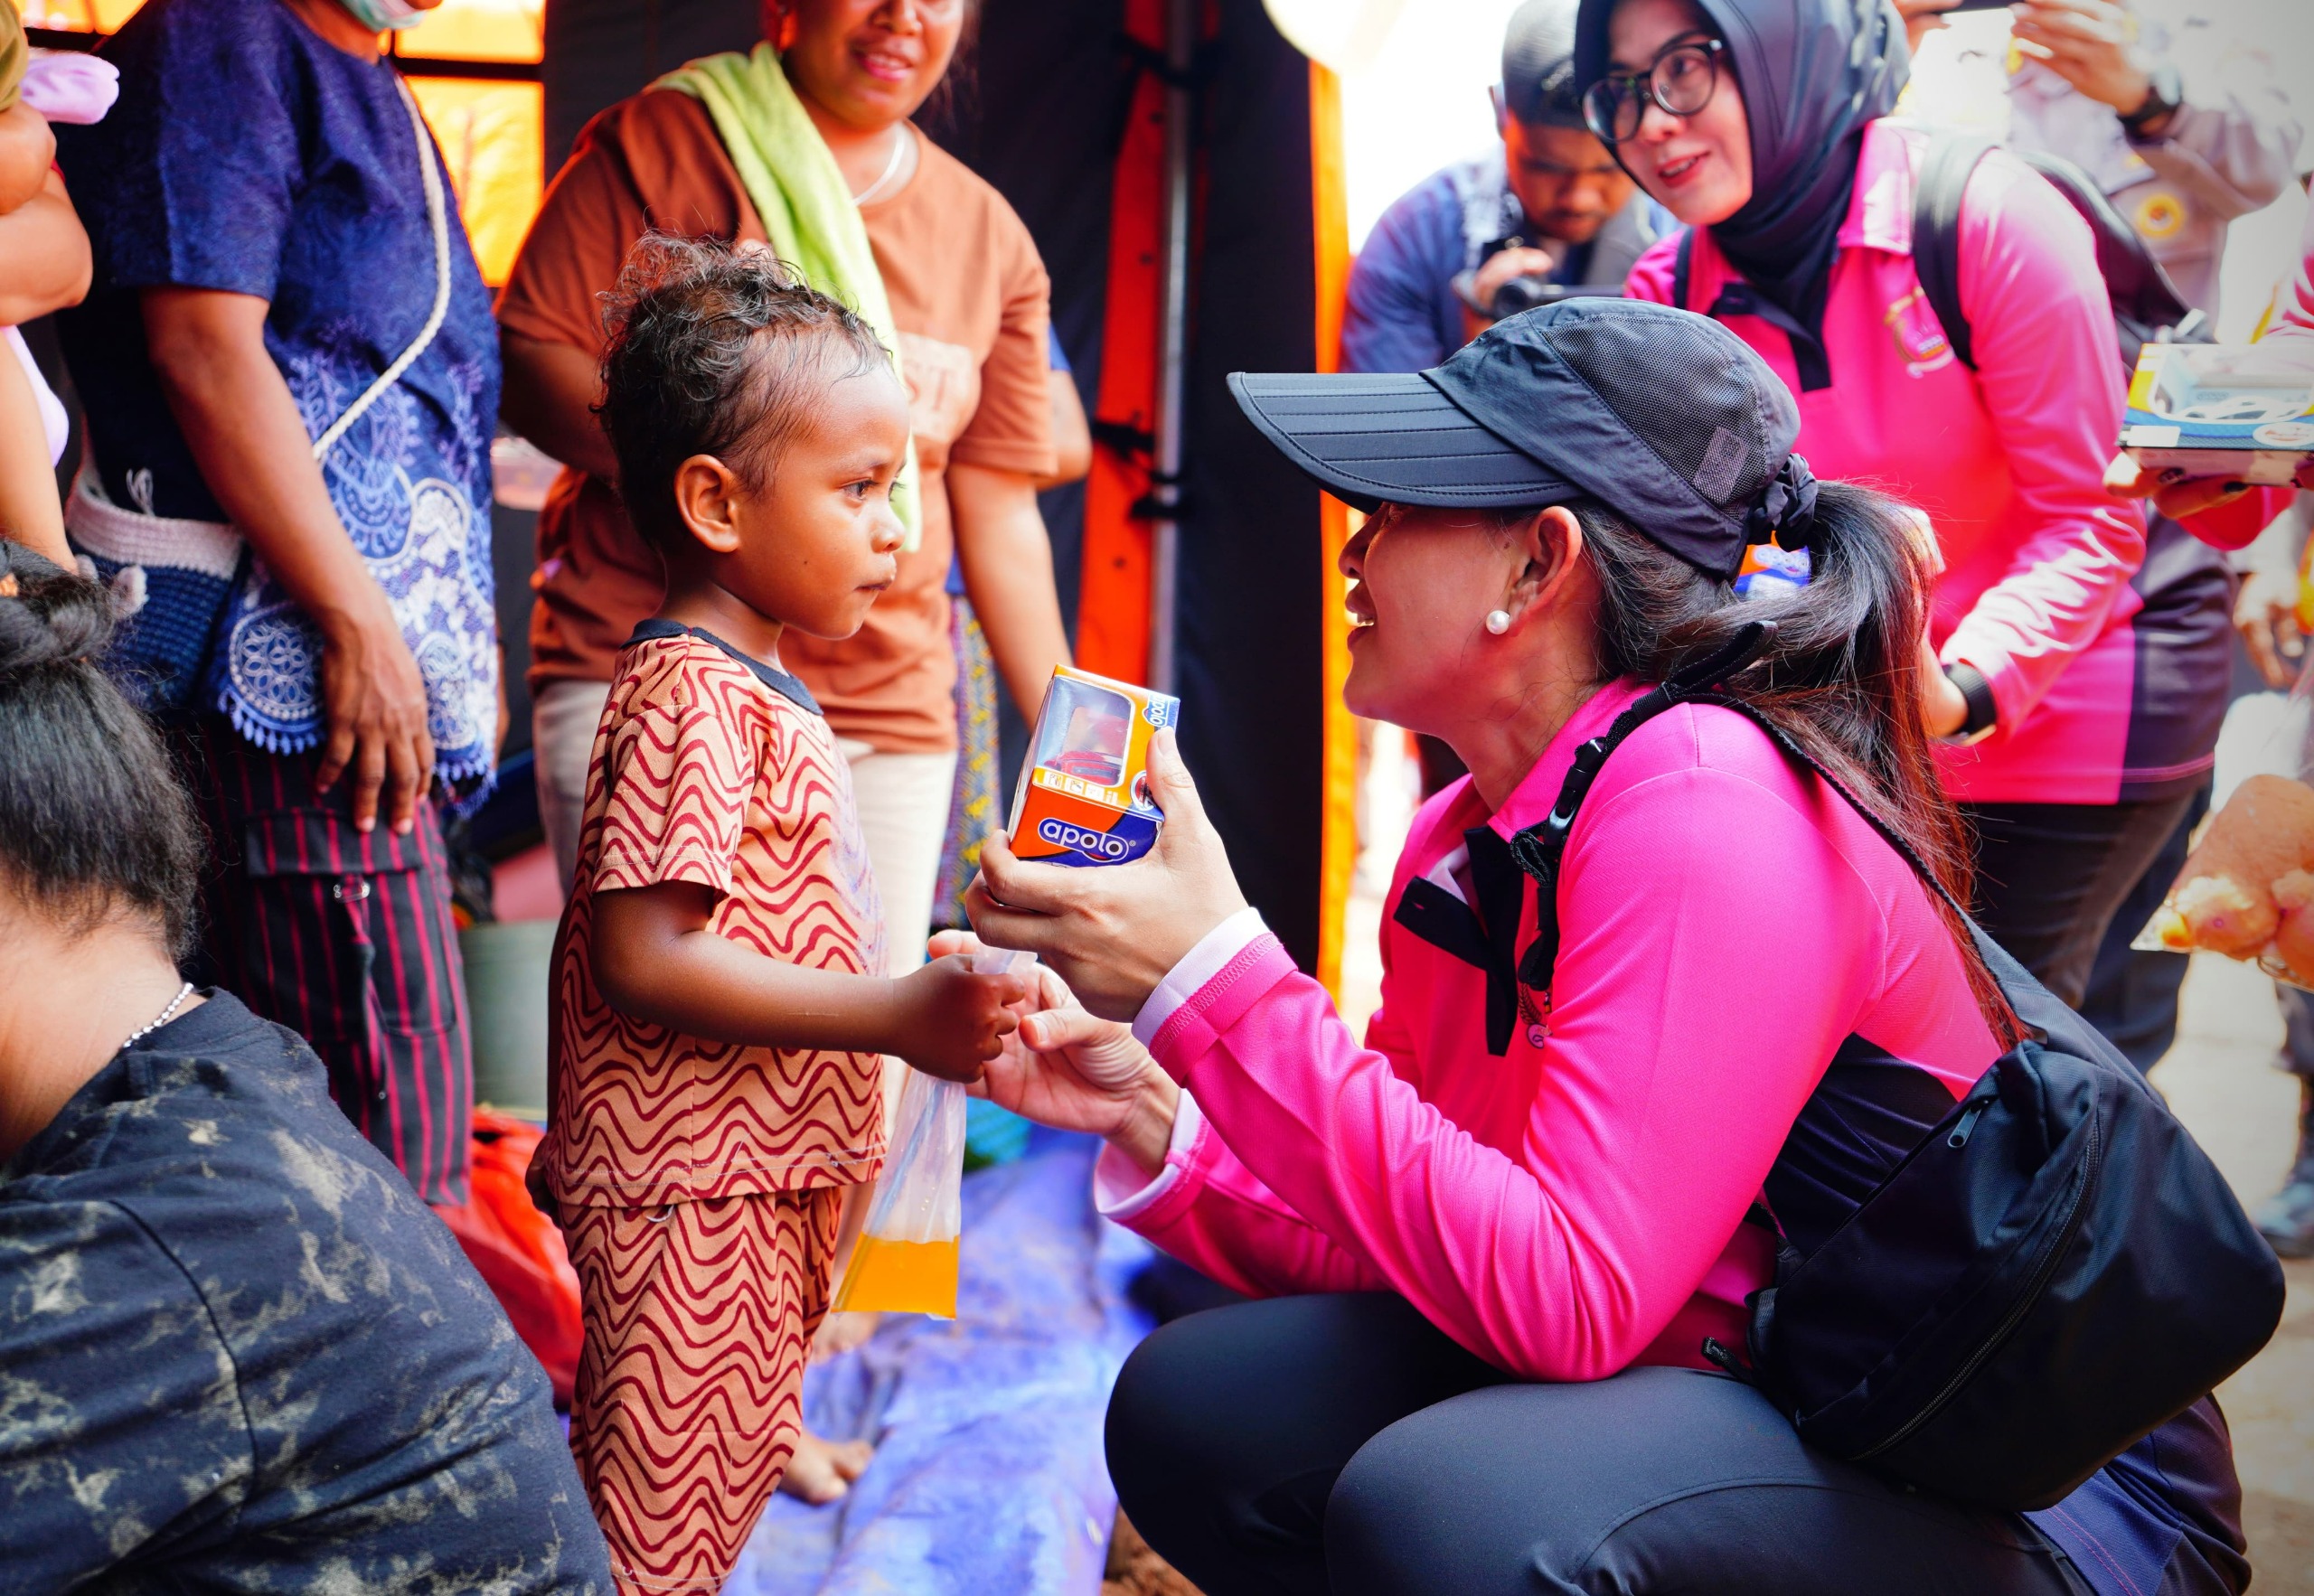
(714, 351)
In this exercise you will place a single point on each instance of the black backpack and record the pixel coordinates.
(2052, 1270)
(2147, 308)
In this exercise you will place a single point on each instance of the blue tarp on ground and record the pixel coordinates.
(988, 1478)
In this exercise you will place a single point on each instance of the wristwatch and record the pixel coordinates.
(2164, 93)
(1984, 715)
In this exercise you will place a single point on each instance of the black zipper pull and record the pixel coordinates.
(1719, 1353)
(1969, 1118)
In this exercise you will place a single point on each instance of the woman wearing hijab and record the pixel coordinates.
(1492, 1240)
(2076, 729)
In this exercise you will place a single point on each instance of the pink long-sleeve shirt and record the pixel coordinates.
(1577, 1205)
(2008, 461)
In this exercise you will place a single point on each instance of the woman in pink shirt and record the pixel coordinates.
(1495, 1237)
(2083, 679)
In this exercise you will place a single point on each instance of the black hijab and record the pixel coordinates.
(1812, 73)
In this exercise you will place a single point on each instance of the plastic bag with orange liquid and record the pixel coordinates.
(906, 1262)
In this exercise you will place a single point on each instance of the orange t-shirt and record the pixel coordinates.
(971, 301)
(712, 768)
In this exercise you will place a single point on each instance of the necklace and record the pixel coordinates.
(903, 140)
(159, 1019)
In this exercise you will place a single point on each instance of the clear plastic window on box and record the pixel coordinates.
(1084, 732)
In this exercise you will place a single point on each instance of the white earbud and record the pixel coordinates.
(1498, 622)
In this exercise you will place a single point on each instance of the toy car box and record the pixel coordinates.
(2243, 411)
(1084, 793)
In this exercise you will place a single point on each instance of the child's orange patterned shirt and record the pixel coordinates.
(712, 768)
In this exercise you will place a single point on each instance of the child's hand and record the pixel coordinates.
(950, 1022)
(1073, 1071)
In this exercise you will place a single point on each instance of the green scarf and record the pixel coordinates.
(14, 54)
(791, 179)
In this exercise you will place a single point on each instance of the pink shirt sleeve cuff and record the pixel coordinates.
(1201, 964)
(1121, 1192)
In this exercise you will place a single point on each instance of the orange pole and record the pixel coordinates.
(1113, 599)
(1330, 238)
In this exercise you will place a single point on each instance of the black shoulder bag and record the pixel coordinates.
(2053, 1270)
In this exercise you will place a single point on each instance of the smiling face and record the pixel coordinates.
(1699, 167)
(868, 63)
(818, 541)
(1567, 181)
(1422, 581)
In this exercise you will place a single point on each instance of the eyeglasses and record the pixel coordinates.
(1681, 80)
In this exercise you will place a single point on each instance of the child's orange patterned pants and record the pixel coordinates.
(690, 1387)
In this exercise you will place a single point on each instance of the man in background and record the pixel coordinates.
(1549, 203)
(2174, 108)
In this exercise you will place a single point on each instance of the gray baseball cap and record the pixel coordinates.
(1665, 416)
(1538, 82)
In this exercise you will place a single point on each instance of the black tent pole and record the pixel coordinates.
(1181, 18)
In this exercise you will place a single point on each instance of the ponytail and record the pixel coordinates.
(1843, 676)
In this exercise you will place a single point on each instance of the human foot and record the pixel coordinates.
(822, 1470)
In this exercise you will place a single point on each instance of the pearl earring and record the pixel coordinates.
(1498, 622)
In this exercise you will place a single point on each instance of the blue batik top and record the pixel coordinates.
(248, 154)
(237, 1353)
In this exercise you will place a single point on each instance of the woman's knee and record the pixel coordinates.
(1155, 1405)
(1657, 1479)
(1232, 1423)
(1505, 1489)
(1400, 1520)
(1191, 1394)
(1184, 1467)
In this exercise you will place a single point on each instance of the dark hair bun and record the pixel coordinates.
(92, 817)
(48, 615)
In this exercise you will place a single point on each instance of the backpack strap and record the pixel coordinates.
(1683, 268)
(2007, 974)
(2145, 304)
(1541, 847)
(1944, 176)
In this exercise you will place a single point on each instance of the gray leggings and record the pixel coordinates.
(1341, 1446)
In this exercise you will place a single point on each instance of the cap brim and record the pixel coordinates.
(1371, 437)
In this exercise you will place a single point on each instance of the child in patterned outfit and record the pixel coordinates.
(718, 1031)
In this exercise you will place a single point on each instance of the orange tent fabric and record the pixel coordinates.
(517, 1250)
